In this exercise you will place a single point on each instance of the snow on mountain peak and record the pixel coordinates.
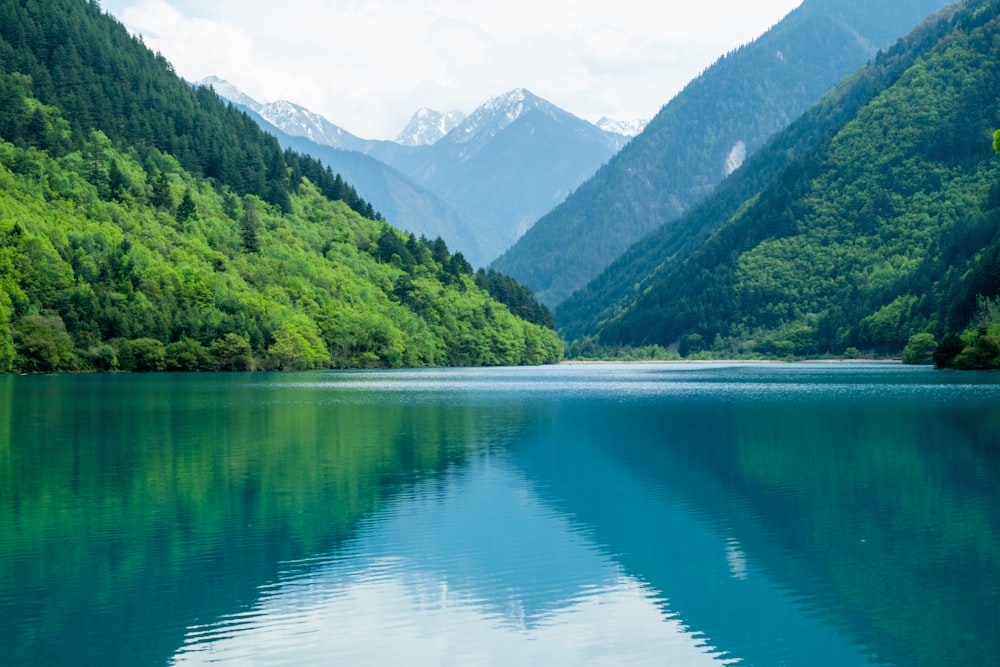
(427, 127)
(500, 112)
(626, 128)
(228, 91)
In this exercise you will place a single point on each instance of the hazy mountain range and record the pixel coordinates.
(478, 181)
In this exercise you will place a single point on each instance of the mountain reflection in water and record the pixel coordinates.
(605, 514)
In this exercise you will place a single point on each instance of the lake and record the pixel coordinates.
(592, 514)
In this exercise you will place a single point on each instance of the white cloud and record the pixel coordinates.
(367, 65)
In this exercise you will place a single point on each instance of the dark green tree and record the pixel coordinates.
(232, 352)
(161, 196)
(186, 209)
(951, 346)
(250, 227)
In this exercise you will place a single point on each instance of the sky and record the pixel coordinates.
(367, 65)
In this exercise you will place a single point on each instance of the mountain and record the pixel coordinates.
(625, 128)
(508, 162)
(147, 225)
(428, 126)
(872, 220)
(228, 91)
(400, 201)
(480, 186)
(292, 119)
(300, 122)
(403, 203)
(702, 135)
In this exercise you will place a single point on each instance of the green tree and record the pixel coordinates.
(42, 345)
(188, 355)
(142, 355)
(232, 352)
(186, 209)
(250, 226)
(161, 196)
(951, 346)
(996, 141)
(920, 349)
(298, 345)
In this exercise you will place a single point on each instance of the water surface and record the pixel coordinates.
(572, 515)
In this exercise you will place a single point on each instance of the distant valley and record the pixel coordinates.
(478, 181)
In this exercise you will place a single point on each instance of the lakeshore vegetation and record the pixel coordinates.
(145, 225)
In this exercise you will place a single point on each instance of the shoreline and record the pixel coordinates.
(570, 362)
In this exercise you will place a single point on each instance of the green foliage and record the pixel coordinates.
(951, 346)
(871, 219)
(42, 345)
(188, 354)
(978, 348)
(920, 349)
(298, 345)
(232, 352)
(178, 237)
(688, 148)
(142, 355)
(518, 298)
(589, 349)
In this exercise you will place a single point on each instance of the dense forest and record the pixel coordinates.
(702, 135)
(883, 230)
(146, 225)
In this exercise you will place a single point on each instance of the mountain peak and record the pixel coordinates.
(428, 126)
(228, 91)
(289, 117)
(626, 128)
(499, 112)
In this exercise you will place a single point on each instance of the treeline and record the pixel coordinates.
(124, 261)
(872, 219)
(74, 57)
(146, 226)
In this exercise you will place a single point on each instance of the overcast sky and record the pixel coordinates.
(367, 65)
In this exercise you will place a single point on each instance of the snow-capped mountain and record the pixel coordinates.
(228, 91)
(298, 121)
(626, 128)
(504, 166)
(427, 127)
(289, 117)
(499, 112)
(509, 162)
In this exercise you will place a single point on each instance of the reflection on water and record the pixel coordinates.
(431, 583)
(604, 514)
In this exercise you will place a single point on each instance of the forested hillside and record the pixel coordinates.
(403, 203)
(885, 229)
(702, 135)
(146, 225)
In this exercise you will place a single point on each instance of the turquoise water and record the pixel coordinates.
(572, 515)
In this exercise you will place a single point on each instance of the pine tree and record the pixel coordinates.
(186, 209)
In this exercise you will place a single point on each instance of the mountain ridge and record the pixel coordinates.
(428, 126)
(508, 162)
(869, 223)
(691, 144)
